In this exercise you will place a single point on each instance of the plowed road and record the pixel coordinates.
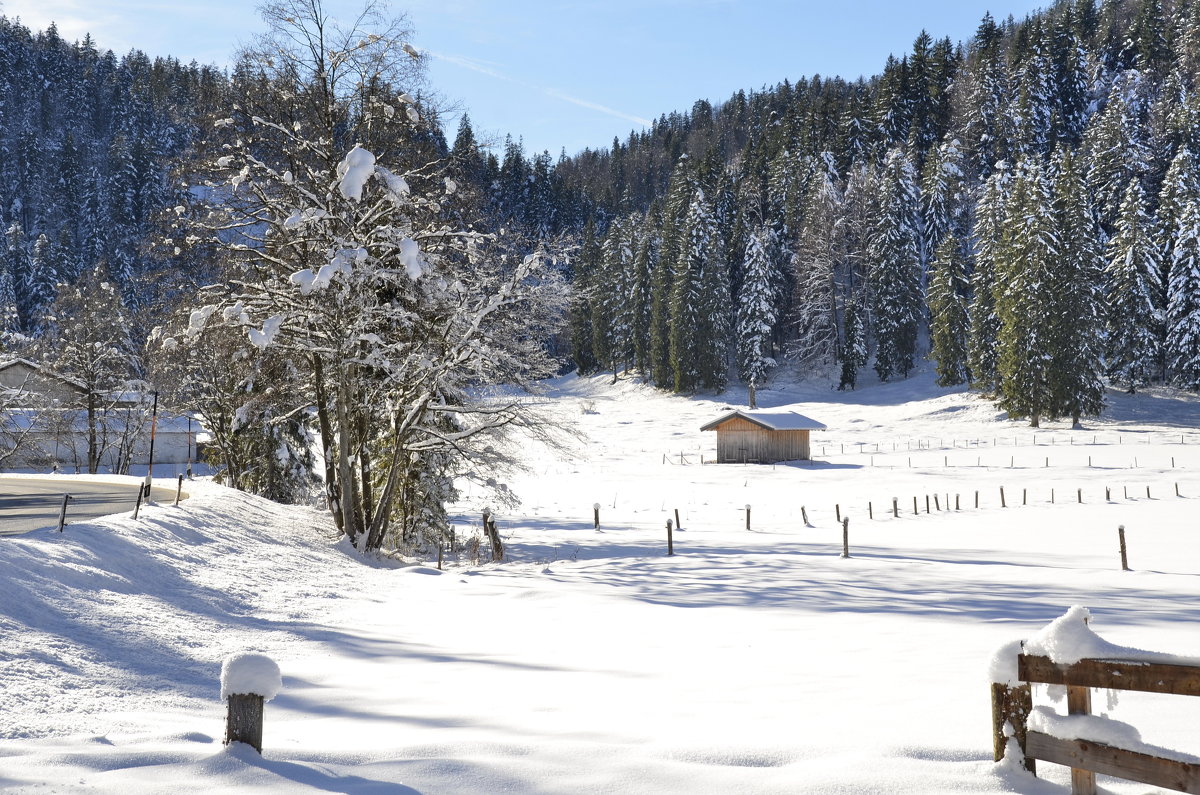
(32, 503)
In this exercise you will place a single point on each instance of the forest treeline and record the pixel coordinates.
(1023, 206)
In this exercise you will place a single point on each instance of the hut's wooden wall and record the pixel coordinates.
(738, 440)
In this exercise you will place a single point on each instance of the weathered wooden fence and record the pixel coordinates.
(1012, 704)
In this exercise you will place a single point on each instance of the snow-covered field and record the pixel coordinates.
(752, 661)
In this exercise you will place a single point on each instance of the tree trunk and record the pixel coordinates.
(331, 480)
(351, 516)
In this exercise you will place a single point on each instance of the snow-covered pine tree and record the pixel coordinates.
(1115, 152)
(895, 269)
(990, 214)
(612, 302)
(1075, 297)
(579, 315)
(854, 353)
(1031, 108)
(1183, 308)
(944, 199)
(1132, 349)
(815, 322)
(645, 261)
(10, 320)
(755, 312)
(1181, 185)
(948, 322)
(699, 331)
(1025, 341)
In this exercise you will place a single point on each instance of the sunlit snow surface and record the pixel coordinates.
(752, 661)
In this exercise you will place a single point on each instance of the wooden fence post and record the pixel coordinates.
(137, 506)
(1079, 494)
(926, 503)
(1079, 702)
(976, 498)
(244, 711)
(936, 503)
(1052, 496)
(915, 511)
(1177, 488)
(1147, 492)
(1003, 504)
(846, 537)
(870, 510)
(804, 516)
(1121, 538)
(895, 507)
(747, 516)
(1024, 496)
(179, 489)
(596, 515)
(670, 540)
(244, 720)
(1011, 705)
(66, 498)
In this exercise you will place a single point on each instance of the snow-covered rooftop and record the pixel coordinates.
(771, 420)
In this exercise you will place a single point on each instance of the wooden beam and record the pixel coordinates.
(1109, 760)
(1179, 680)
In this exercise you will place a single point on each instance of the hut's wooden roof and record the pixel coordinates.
(770, 420)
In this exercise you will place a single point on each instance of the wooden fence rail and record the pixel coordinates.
(1012, 704)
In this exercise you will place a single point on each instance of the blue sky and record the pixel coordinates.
(572, 73)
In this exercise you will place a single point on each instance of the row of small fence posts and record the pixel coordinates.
(143, 494)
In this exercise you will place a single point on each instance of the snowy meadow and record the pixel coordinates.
(753, 660)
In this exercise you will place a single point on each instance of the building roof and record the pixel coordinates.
(16, 360)
(771, 420)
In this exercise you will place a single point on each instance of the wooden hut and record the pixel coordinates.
(762, 437)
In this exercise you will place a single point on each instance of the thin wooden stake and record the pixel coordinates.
(895, 508)
(1147, 492)
(846, 537)
(179, 489)
(936, 504)
(678, 524)
(1079, 494)
(1121, 538)
(747, 516)
(976, 498)
(870, 511)
(1051, 496)
(1176, 488)
(804, 516)
(837, 510)
(956, 502)
(1024, 496)
(66, 498)
(926, 503)
(1003, 504)
(137, 506)
(915, 511)
(670, 540)
(596, 515)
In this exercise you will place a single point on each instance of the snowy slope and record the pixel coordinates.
(751, 661)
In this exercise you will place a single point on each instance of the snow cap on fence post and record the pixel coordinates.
(250, 673)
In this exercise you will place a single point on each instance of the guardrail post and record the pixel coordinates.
(62, 513)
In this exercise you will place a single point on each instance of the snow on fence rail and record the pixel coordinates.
(1068, 653)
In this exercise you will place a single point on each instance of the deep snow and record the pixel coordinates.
(751, 661)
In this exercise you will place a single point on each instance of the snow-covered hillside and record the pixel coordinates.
(752, 661)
